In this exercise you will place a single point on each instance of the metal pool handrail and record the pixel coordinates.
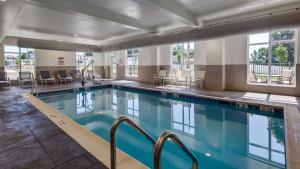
(160, 143)
(113, 141)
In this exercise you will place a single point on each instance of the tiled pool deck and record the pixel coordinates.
(30, 140)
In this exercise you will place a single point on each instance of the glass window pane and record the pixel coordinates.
(258, 130)
(258, 152)
(259, 38)
(11, 49)
(283, 64)
(283, 35)
(278, 157)
(258, 64)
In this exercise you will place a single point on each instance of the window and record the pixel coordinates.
(17, 60)
(132, 62)
(114, 105)
(83, 59)
(266, 139)
(113, 63)
(133, 104)
(183, 117)
(183, 56)
(272, 58)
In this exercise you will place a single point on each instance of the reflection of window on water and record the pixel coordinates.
(61, 105)
(183, 117)
(85, 102)
(266, 139)
(114, 100)
(133, 104)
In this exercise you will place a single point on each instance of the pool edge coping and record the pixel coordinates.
(90, 142)
(291, 116)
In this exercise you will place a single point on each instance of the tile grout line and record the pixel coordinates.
(43, 147)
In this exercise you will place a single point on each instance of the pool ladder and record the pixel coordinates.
(157, 145)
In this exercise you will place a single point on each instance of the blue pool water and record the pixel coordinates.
(221, 136)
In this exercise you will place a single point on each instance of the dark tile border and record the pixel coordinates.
(175, 95)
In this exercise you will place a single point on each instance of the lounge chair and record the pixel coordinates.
(170, 77)
(46, 77)
(64, 76)
(255, 79)
(77, 75)
(4, 79)
(199, 77)
(184, 77)
(25, 77)
(287, 77)
(160, 76)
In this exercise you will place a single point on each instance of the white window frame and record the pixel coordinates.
(270, 43)
(19, 53)
(127, 73)
(189, 51)
(84, 59)
(112, 56)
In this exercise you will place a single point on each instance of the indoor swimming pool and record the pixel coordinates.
(220, 135)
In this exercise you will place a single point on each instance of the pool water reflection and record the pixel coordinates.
(219, 135)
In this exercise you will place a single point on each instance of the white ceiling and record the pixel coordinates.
(97, 22)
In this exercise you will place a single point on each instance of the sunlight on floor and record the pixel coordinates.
(123, 81)
(271, 98)
(283, 99)
(255, 96)
(171, 87)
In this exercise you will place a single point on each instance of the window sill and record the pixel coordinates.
(132, 76)
(272, 85)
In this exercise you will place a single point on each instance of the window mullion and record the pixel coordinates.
(270, 60)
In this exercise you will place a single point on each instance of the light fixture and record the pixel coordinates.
(60, 40)
(2, 0)
(75, 34)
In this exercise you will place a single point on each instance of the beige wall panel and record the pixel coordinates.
(49, 58)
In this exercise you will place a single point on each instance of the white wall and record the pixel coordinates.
(214, 52)
(236, 50)
(49, 57)
(1, 55)
(148, 56)
(101, 59)
(298, 46)
(200, 53)
(164, 57)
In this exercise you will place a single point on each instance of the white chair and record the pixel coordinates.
(4, 79)
(287, 77)
(199, 77)
(184, 77)
(160, 76)
(170, 77)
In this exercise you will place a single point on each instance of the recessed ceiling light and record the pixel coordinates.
(60, 40)
(2, 0)
(75, 34)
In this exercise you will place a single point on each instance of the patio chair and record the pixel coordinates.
(255, 79)
(287, 77)
(170, 77)
(25, 77)
(160, 76)
(199, 77)
(77, 75)
(64, 76)
(184, 77)
(4, 80)
(46, 77)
